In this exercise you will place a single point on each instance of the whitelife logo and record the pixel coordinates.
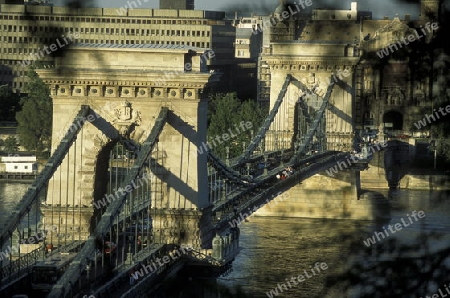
(441, 294)
(280, 197)
(423, 122)
(411, 38)
(33, 239)
(341, 165)
(397, 226)
(108, 198)
(170, 75)
(122, 11)
(153, 267)
(283, 287)
(283, 16)
(226, 137)
(50, 49)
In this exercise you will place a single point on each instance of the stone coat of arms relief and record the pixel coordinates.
(126, 119)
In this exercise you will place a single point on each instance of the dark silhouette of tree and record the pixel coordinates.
(225, 116)
(9, 104)
(393, 269)
(11, 144)
(35, 118)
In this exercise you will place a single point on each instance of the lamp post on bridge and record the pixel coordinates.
(265, 163)
(228, 155)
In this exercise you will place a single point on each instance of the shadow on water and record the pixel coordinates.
(198, 288)
(413, 262)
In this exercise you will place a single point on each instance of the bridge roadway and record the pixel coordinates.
(15, 271)
(236, 177)
(117, 283)
(250, 191)
(267, 186)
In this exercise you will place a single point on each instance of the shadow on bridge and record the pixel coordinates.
(246, 191)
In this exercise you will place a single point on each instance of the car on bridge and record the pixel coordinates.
(109, 248)
(45, 274)
(285, 173)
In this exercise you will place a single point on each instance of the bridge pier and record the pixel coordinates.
(323, 196)
(71, 222)
(125, 96)
(192, 228)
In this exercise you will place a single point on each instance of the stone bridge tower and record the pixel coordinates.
(314, 64)
(126, 87)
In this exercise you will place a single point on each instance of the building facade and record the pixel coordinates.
(27, 33)
(390, 87)
(176, 4)
(18, 164)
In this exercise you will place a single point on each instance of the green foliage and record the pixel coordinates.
(399, 269)
(440, 131)
(11, 144)
(9, 104)
(226, 114)
(35, 119)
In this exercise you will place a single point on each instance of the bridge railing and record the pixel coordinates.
(17, 269)
(22, 266)
(267, 122)
(113, 211)
(300, 150)
(39, 185)
(255, 195)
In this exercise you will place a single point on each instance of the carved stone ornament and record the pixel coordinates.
(126, 118)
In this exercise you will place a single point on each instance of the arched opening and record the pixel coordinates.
(134, 226)
(113, 163)
(393, 121)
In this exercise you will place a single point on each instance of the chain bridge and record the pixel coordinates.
(125, 183)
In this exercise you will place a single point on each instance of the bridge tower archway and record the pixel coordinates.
(125, 100)
(393, 120)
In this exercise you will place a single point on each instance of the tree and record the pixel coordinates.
(35, 119)
(9, 104)
(226, 114)
(440, 132)
(10, 144)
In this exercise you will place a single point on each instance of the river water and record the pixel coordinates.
(412, 262)
(274, 250)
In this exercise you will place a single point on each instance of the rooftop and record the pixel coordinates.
(139, 46)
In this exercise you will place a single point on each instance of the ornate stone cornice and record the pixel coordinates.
(308, 67)
(188, 86)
